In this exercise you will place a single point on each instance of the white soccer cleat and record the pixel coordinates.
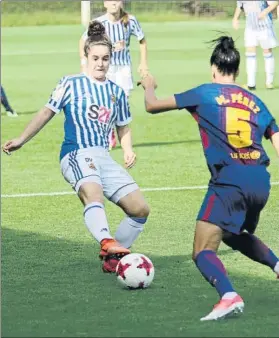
(11, 113)
(225, 307)
(269, 86)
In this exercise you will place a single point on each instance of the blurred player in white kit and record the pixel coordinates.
(259, 31)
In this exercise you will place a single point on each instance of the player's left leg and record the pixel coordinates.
(253, 248)
(206, 243)
(6, 104)
(137, 211)
(121, 189)
(269, 63)
(247, 243)
(268, 41)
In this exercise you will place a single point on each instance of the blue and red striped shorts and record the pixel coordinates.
(236, 198)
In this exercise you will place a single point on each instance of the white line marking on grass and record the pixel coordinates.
(38, 52)
(62, 193)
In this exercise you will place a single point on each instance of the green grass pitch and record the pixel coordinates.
(52, 284)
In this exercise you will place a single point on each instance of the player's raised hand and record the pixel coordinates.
(148, 81)
(235, 24)
(129, 159)
(12, 145)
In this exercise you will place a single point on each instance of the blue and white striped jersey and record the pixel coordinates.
(120, 37)
(91, 110)
(252, 10)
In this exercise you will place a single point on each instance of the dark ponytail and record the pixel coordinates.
(95, 29)
(225, 55)
(96, 35)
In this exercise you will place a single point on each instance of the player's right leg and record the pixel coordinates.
(81, 169)
(250, 40)
(206, 243)
(218, 214)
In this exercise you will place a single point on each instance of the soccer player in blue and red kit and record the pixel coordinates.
(232, 123)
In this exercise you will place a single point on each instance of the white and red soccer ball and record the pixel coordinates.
(135, 271)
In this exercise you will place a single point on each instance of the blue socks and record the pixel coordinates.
(214, 271)
(252, 247)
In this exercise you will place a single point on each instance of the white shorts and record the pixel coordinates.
(266, 38)
(96, 165)
(122, 76)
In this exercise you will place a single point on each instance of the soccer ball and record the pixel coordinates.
(135, 271)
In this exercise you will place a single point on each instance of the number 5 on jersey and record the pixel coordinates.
(238, 128)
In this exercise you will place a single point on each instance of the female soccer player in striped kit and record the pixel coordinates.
(120, 26)
(93, 105)
(259, 31)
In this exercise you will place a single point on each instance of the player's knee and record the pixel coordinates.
(267, 51)
(207, 237)
(251, 50)
(90, 192)
(142, 211)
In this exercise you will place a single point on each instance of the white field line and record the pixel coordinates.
(62, 193)
(37, 52)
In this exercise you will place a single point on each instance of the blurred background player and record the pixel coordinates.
(259, 30)
(92, 106)
(4, 101)
(119, 27)
(232, 123)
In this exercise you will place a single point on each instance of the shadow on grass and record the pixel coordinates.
(55, 288)
(154, 144)
(3, 113)
(157, 144)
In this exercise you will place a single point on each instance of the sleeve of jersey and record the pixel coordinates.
(124, 115)
(271, 129)
(136, 28)
(60, 96)
(187, 100)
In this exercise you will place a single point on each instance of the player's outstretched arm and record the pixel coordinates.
(36, 124)
(152, 104)
(275, 141)
(125, 138)
(143, 66)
